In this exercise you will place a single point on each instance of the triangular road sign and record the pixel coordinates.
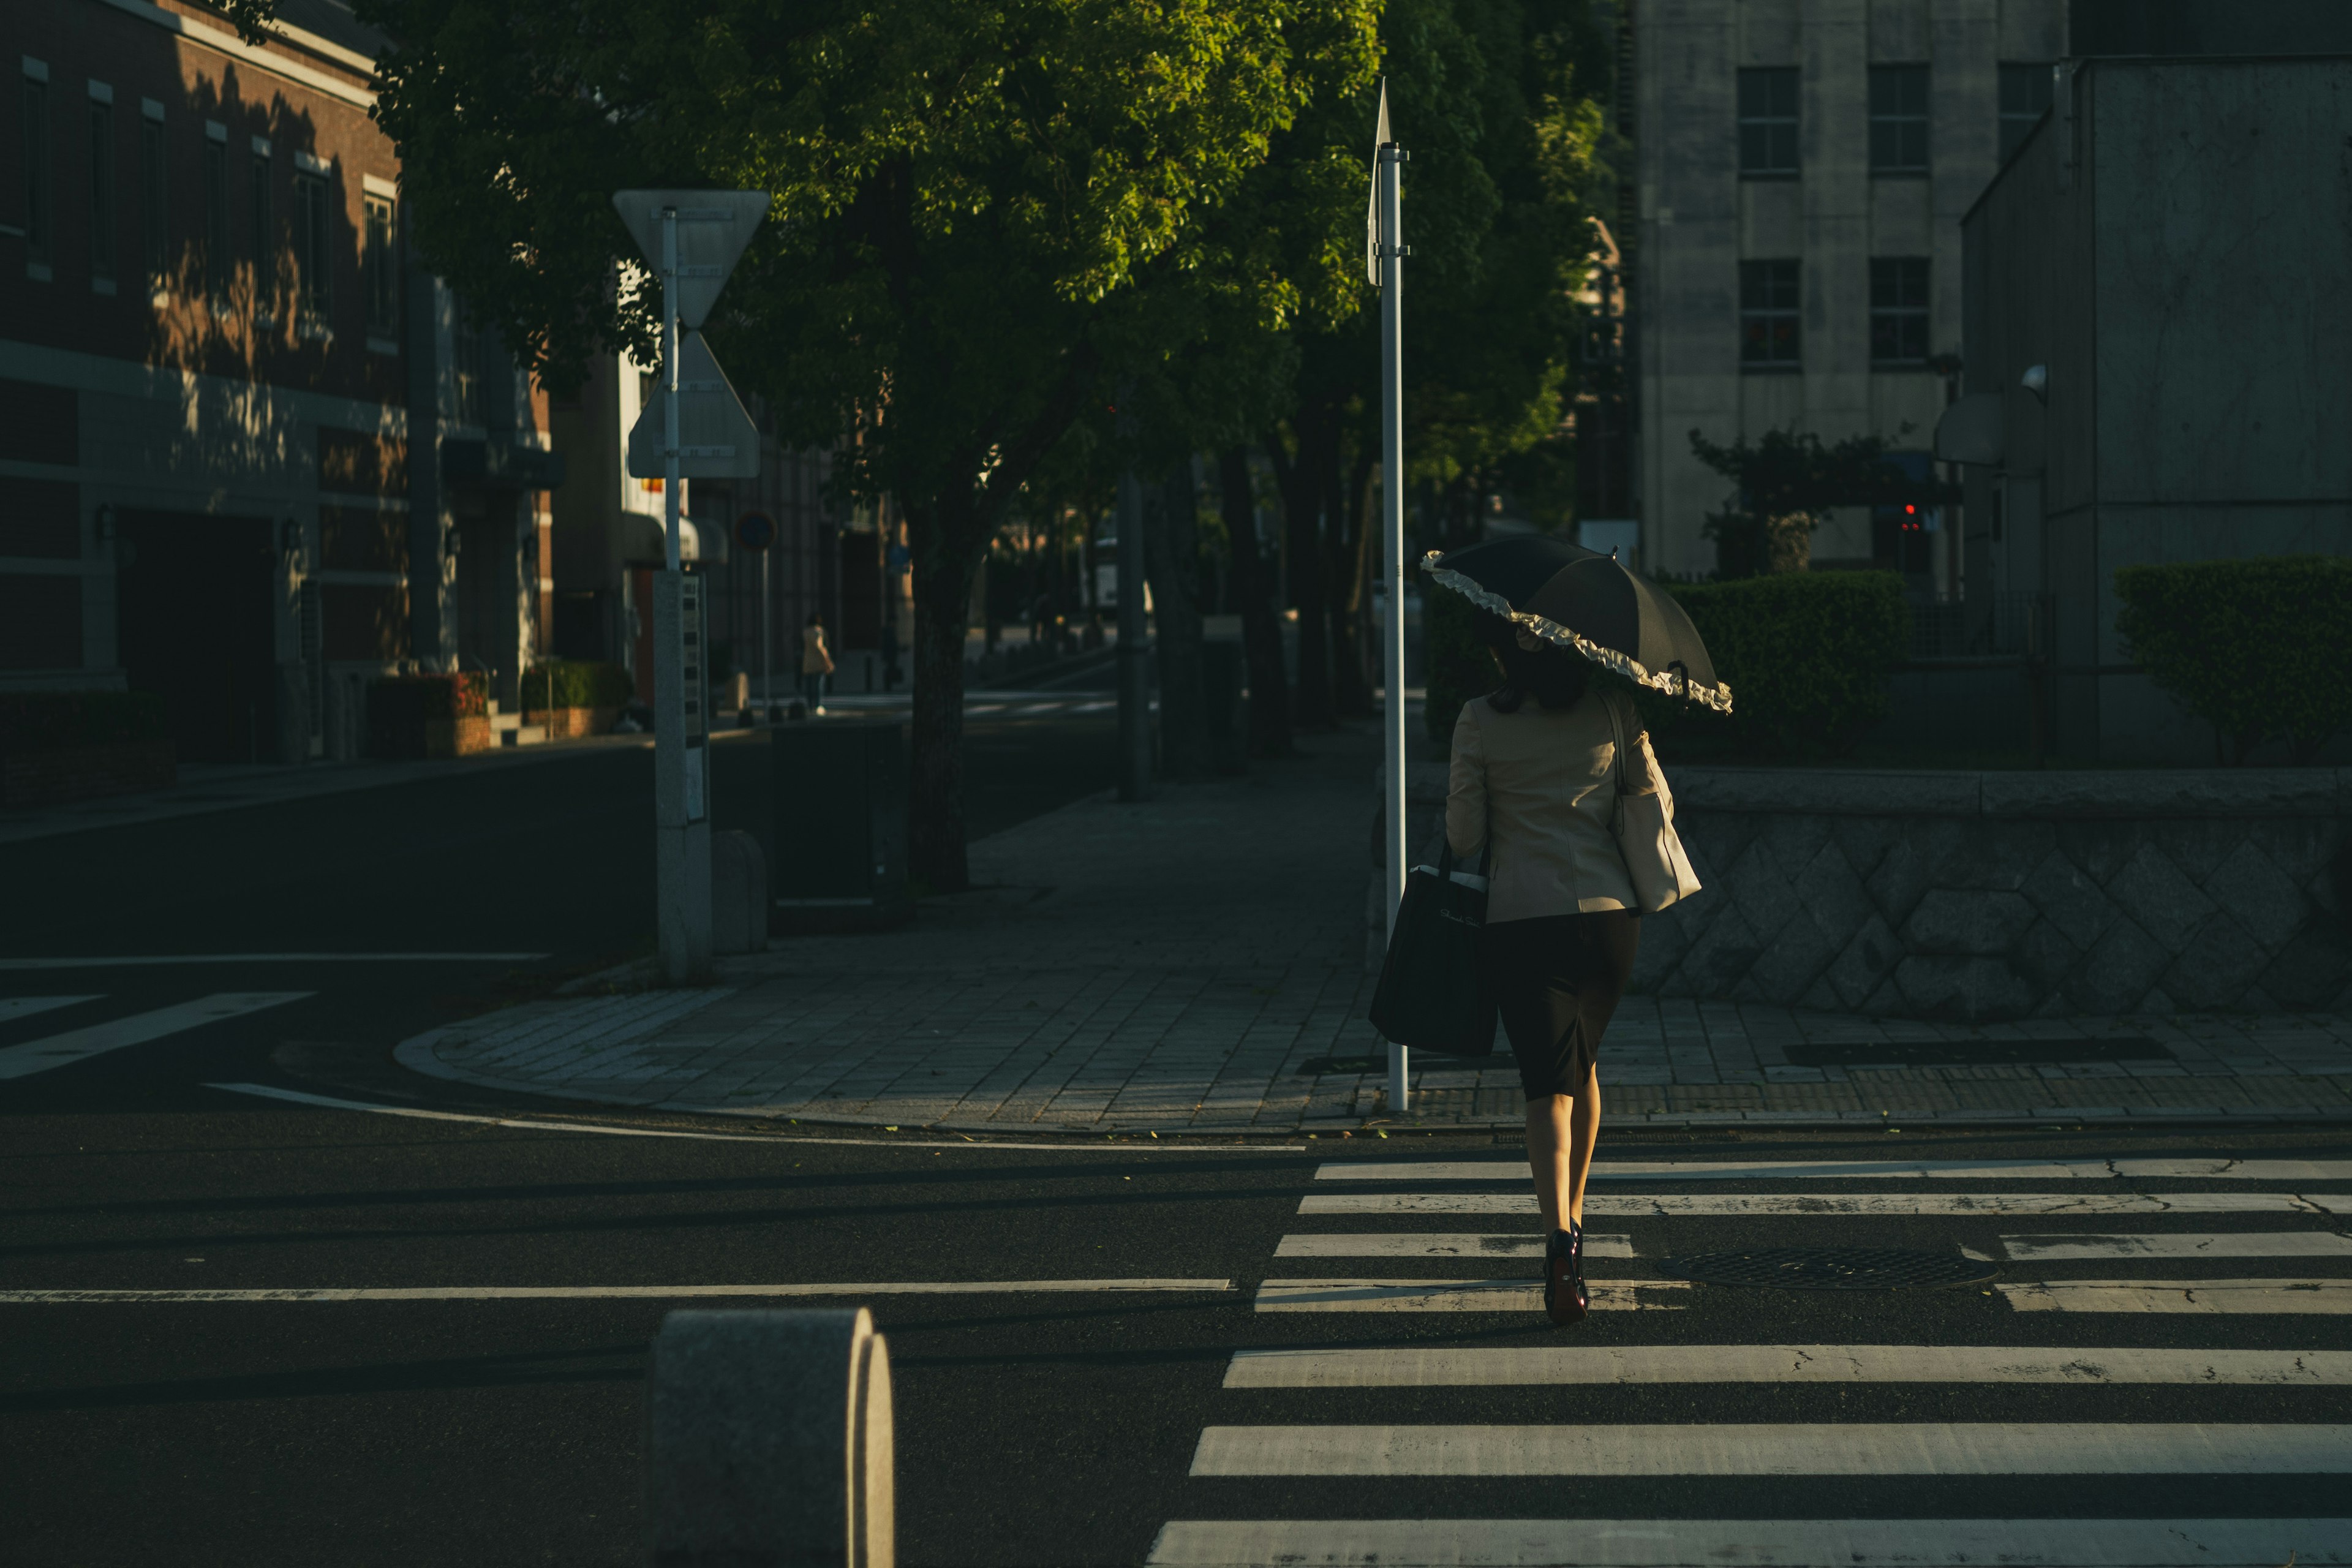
(1380, 139)
(715, 438)
(713, 227)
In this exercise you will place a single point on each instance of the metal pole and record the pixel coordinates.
(767, 641)
(1392, 528)
(681, 817)
(1134, 675)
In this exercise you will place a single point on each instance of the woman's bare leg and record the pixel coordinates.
(1582, 1130)
(1549, 1128)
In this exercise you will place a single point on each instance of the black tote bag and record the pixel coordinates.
(1430, 997)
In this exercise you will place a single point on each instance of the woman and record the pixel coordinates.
(1533, 772)
(815, 663)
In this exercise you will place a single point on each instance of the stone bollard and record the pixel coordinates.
(738, 893)
(769, 1441)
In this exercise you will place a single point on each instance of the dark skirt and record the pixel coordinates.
(1555, 982)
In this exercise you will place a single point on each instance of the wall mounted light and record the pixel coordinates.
(2036, 380)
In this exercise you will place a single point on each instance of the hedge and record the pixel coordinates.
(2258, 648)
(579, 683)
(1806, 654)
(60, 721)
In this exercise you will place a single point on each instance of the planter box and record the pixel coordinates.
(428, 716)
(53, 777)
(570, 723)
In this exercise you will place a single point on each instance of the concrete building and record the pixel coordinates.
(1800, 170)
(2166, 253)
(250, 454)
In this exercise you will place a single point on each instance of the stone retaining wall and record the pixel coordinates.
(1997, 895)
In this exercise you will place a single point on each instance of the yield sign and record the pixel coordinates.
(713, 227)
(716, 439)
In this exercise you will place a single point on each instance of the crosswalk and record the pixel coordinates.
(1336, 1411)
(26, 1058)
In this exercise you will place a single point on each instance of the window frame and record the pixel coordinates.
(261, 233)
(40, 205)
(154, 204)
(1761, 304)
(313, 253)
(380, 264)
(105, 222)
(2021, 122)
(1896, 126)
(1896, 316)
(219, 260)
(1761, 128)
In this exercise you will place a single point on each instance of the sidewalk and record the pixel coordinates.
(1195, 963)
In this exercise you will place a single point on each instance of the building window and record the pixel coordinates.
(1768, 122)
(261, 232)
(1767, 315)
(1898, 309)
(312, 254)
(154, 210)
(101, 196)
(1898, 120)
(383, 267)
(39, 228)
(2024, 100)
(216, 249)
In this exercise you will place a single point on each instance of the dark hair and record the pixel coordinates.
(1552, 674)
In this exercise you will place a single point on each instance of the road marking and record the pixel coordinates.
(2158, 1243)
(1093, 706)
(1753, 1543)
(599, 1292)
(2301, 1297)
(1454, 1295)
(17, 964)
(15, 1007)
(1665, 1206)
(1859, 1449)
(1438, 1244)
(778, 1140)
(2208, 1169)
(1465, 1367)
(979, 708)
(80, 1045)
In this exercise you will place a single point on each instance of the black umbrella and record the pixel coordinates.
(1586, 601)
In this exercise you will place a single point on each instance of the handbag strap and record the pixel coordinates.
(1617, 761)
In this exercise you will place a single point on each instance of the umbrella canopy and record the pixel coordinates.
(1583, 600)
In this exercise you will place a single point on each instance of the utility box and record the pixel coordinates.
(840, 837)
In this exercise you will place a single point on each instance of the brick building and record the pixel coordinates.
(251, 455)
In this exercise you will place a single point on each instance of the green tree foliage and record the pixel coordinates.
(1806, 656)
(1787, 481)
(2261, 649)
(1459, 665)
(983, 210)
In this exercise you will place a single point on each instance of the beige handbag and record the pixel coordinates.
(1644, 826)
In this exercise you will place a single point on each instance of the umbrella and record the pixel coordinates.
(1583, 600)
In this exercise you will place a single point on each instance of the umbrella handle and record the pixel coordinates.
(1678, 663)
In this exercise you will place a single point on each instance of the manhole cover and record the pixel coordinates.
(1832, 1268)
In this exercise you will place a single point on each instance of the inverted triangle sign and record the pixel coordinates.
(713, 227)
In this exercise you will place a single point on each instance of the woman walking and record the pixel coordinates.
(1533, 784)
(815, 663)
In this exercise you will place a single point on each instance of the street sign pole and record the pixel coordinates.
(681, 815)
(1391, 260)
(1134, 675)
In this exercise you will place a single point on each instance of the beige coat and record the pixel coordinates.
(1546, 780)
(814, 661)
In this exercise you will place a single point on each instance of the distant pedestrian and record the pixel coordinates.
(1535, 767)
(815, 663)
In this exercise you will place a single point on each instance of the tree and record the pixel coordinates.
(984, 209)
(1787, 483)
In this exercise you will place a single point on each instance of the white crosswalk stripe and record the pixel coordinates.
(2044, 1269)
(14, 1008)
(80, 1044)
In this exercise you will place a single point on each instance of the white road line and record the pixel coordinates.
(979, 708)
(1753, 1543)
(1665, 1206)
(2300, 1297)
(1858, 1449)
(15, 1007)
(1028, 708)
(778, 1140)
(142, 959)
(1456, 1295)
(80, 1044)
(1455, 1366)
(599, 1292)
(2160, 1244)
(1439, 1243)
(2204, 1169)
(1093, 706)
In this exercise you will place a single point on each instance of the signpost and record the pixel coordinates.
(692, 240)
(1385, 262)
(755, 531)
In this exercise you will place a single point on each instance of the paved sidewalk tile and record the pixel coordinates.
(1195, 962)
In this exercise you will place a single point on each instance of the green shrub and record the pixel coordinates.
(579, 683)
(1459, 667)
(56, 720)
(2258, 648)
(1806, 654)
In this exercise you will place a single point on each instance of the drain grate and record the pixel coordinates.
(1832, 1268)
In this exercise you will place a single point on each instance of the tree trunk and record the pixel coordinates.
(1302, 500)
(1352, 689)
(1269, 705)
(944, 583)
(1172, 541)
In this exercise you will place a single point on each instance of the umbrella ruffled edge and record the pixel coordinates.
(1717, 697)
